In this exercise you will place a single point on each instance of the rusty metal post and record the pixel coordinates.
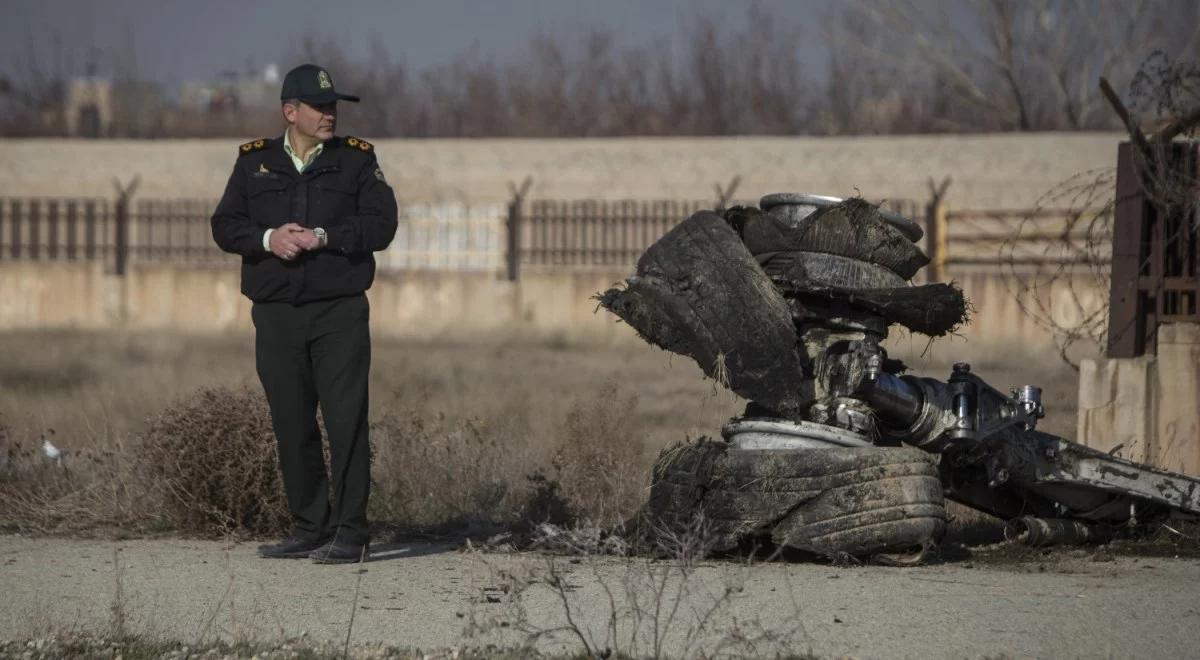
(725, 194)
(1127, 304)
(122, 223)
(936, 231)
(513, 252)
(14, 218)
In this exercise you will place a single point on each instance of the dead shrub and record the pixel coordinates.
(428, 469)
(212, 460)
(599, 463)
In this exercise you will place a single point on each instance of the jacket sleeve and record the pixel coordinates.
(370, 229)
(231, 226)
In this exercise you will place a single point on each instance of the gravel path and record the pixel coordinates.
(425, 595)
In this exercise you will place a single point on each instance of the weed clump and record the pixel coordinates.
(600, 464)
(431, 470)
(211, 459)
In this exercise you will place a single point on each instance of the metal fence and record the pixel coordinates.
(67, 229)
(1017, 238)
(176, 231)
(597, 233)
(458, 237)
(582, 233)
(447, 237)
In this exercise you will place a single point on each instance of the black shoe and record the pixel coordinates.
(291, 548)
(338, 552)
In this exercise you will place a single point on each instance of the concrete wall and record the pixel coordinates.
(546, 305)
(1149, 406)
(995, 171)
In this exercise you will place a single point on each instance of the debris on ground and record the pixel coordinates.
(788, 304)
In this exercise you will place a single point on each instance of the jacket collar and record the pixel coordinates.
(276, 159)
(329, 156)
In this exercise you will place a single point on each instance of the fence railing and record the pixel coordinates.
(597, 233)
(1028, 237)
(447, 237)
(550, 233)
(67, 229)
(592, 232)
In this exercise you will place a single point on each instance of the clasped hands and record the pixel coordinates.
(288, 241)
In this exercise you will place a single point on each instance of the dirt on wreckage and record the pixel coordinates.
(699, 292)
(788, 305)
(770, 302)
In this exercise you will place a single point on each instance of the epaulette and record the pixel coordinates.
(251, 147)
(359, 143)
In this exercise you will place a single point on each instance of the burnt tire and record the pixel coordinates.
(852, 229)
(797, 272)
(699, 292)
(834, 501)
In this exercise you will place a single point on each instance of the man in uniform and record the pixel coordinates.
(305, 211)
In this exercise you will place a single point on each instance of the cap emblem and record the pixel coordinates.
(323, 80)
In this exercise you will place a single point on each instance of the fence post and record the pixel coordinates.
(14, 218)
(513, 252)
(725, 194)
(936, 234)
(122, 222)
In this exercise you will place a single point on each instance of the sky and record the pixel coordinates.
(173, 40)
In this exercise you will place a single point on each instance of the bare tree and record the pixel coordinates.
(1019, 64)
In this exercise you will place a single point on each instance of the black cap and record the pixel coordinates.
(311, 84)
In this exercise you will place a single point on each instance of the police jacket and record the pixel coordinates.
(342, 191)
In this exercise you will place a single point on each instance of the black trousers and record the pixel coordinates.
(319, 353)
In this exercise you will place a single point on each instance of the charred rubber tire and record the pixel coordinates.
(911, 230)
(834, 501)
(800, 271)
(699, 292)
(852, 229)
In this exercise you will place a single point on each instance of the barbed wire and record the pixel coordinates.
(1066, 290)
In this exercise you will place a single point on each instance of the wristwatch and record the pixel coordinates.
(322, 237)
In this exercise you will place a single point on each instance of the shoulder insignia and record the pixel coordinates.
(359, 143)
(251, 147)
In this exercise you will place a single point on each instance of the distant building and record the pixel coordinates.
(97, 108)
(88, 108)
(232, 90)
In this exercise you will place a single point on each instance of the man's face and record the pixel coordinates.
(316, 121)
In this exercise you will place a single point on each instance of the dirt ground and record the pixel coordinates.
(422, 594)
(988, 171)
(92, 387)
(96, 388)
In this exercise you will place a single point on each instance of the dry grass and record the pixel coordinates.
(458, 430)
(465, 433)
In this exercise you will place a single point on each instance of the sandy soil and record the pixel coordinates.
(988, 171)
(425, 595)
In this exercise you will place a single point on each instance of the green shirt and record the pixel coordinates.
(296, 160)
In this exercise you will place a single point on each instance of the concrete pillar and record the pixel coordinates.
(1149, 406)
(1115, 406)
(1177, 388)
